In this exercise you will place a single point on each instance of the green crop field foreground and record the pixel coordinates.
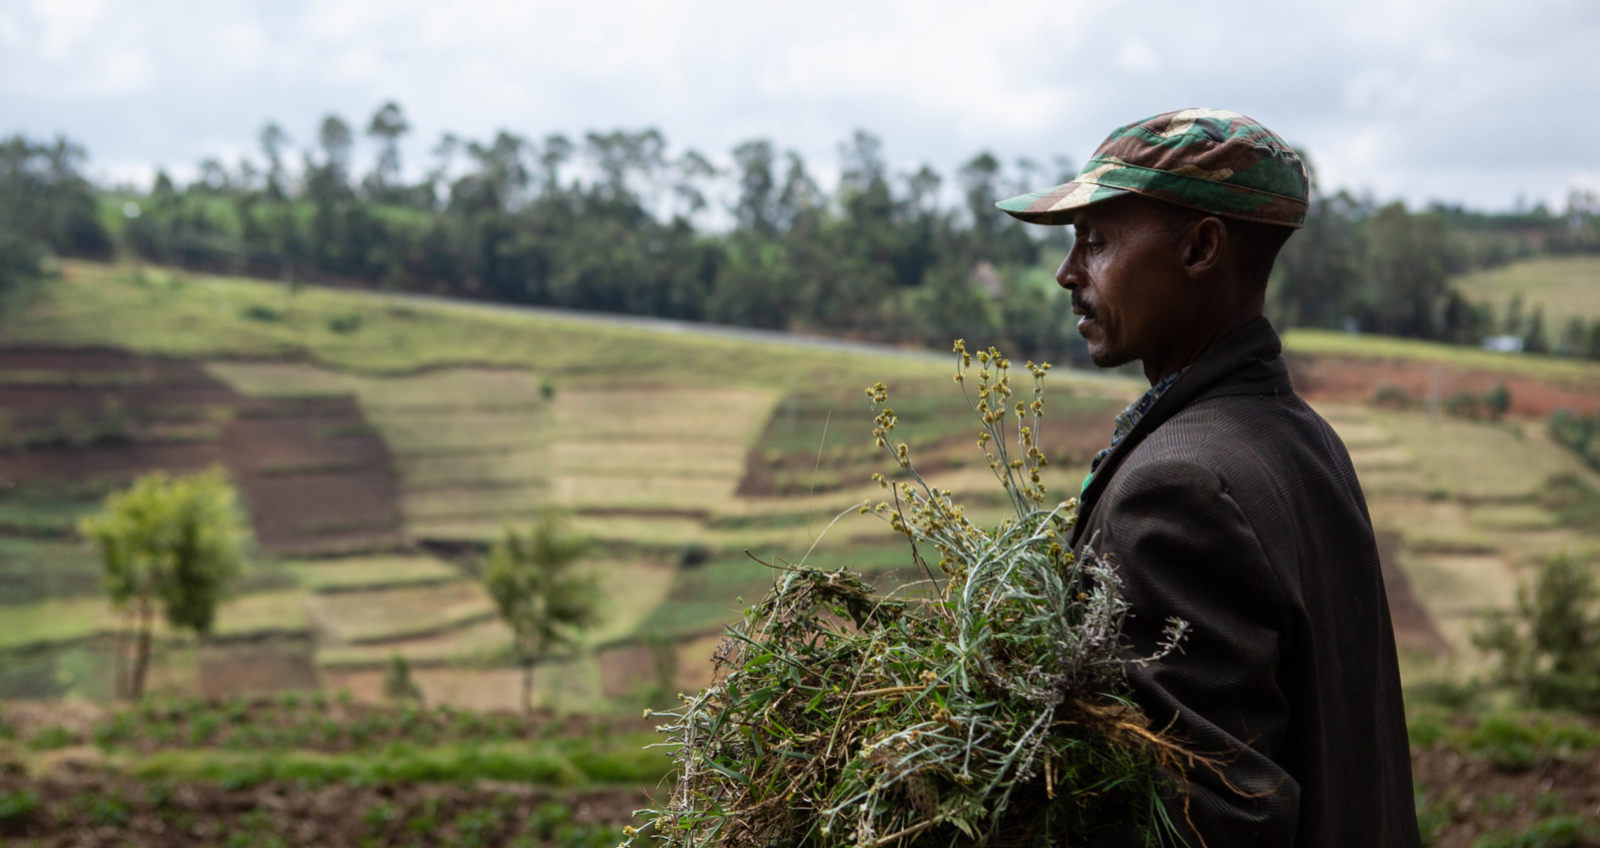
(382, 443)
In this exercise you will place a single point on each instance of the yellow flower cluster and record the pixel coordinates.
(925, 513)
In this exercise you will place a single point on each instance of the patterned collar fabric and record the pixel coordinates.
(1128, 418)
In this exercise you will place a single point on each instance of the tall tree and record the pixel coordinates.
(692, 170)
(499, 178)
(336, 141)
(273, 141)
(437, 184)
(173, 543)
(754, 209)
(387, 126)
(980, 186)
(1534, 339)
(863, 180)
(1318, 273)
(545, 604)
(800, 200)
(554, 155)
(1406, 271)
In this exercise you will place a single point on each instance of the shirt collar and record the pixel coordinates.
(1128, 418)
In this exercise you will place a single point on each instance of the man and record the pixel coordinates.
(1227, 502)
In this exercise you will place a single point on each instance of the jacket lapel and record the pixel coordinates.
(1224, 369)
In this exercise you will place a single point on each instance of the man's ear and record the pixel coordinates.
(1203, 246)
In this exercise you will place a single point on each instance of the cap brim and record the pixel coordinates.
(1054, 206)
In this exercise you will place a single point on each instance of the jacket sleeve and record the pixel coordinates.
(1184, 549)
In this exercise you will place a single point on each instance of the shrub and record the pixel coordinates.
(1549, 646)
(261, 312)
(1464, 405)
(18, 807)
(104, 810)
(345, 324)
(1392, 396)
(1497, 401)
(1579, 433)
(397, 682)
(52, 737)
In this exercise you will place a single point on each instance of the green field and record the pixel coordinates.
(1537, 366)
(1566, 287)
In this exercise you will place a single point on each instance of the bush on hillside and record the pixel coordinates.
(1549, 645)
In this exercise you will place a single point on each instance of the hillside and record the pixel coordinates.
(1564, 287)
(382, 441)
(675, 452)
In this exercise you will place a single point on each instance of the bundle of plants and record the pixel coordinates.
(984, 704)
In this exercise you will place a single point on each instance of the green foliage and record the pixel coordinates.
(1492, 404)
(536, 592)
(1574, 502)
(1432, 814)
(18, 807)
(615, 759)
(1580, 433)
(176, 542)
(1567, 831)
(45, 204)
(1549, 647)
(1392, 397)
(346, 323)
(1497, 401)
(54, 736)
(1511, 741)
(397, 682)
(103, 810)
(261, 312)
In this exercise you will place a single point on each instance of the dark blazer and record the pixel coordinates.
(1233, 506)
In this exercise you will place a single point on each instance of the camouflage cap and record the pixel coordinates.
(1208, 159)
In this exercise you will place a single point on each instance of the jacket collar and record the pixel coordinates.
(1246, 361)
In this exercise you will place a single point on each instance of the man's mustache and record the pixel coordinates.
(1080, 306)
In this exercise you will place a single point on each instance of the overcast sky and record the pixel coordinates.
(1471, 102)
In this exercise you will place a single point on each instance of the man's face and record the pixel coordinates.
(1126, 277)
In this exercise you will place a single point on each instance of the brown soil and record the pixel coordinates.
(257, 668)
(1359, 379)
(1469, 797)
(316, 477)
(89, 808)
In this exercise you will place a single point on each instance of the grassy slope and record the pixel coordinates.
(207, 317)
(1468, 502)
(1333, 343)
(1565, 287)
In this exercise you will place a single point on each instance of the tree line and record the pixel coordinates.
(619, 221)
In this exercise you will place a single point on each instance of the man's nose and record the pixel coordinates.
(1067, 274)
